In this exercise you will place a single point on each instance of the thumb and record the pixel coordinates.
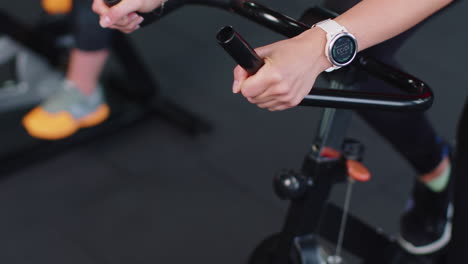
(119, 11)
(239, 76)
(264, 51)
(252, 83)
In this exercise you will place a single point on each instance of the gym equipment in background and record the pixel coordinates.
(25, 78)
(46, 46)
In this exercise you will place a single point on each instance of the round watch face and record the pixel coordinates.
(343, 50)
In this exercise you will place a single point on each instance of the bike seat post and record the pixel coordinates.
(333, 124)
(320, 169)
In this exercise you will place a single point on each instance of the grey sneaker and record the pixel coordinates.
(65, 112)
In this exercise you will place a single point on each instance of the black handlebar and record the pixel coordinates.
(110, 3)
(239, 50)
(418, 95)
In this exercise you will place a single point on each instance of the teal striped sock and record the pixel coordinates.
(438, 184)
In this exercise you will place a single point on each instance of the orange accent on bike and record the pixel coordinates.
(357, 171)
(56, 7)
(331, 153)
(54, 126)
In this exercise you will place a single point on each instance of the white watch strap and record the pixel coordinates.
(332, 68)
(331, 28)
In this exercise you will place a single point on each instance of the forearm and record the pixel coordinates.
(292, 65)
(374, 21)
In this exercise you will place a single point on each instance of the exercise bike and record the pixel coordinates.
(332, 158)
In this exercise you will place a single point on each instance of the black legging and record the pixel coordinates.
(89, 35)
(458, 252)
(410, 133)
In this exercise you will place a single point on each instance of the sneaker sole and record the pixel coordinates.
(95, 118)
(69, 126)
(436, 245)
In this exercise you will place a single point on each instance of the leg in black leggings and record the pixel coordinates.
(425, 226)
(458, 252)
(89, 35)
(410, 133)
(79, 99)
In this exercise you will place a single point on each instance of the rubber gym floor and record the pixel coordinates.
(152, 194)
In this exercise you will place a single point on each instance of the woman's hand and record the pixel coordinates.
(123, 16)
(290, 70)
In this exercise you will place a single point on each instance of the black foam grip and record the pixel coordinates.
(110, 3)
(239, 49)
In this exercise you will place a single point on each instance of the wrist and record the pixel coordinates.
(341, 46)
(316, 40)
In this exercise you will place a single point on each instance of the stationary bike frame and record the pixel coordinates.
(319, 172)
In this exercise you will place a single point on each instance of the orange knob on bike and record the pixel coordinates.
(357, 171)
(331, 153)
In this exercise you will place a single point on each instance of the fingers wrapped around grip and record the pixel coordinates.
(286, 77)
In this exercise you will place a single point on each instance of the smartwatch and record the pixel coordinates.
(341, 47)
